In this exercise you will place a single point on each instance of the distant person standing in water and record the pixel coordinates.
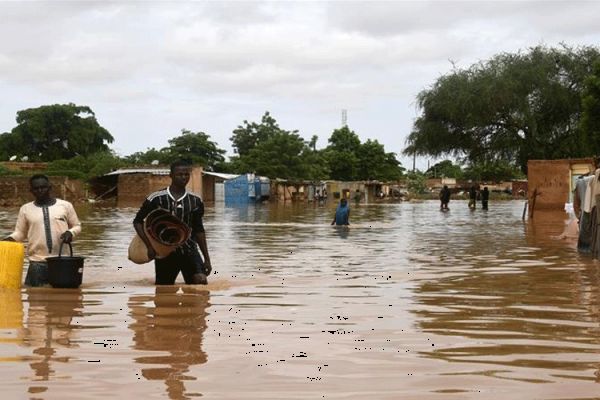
(472, 197)
(342, 214)
(444, 198)
(357, 196)
(485, 196)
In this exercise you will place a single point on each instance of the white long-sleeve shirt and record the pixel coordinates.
(42, 227)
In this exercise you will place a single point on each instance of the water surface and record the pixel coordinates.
(409, 302)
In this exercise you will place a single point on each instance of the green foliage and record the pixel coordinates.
(268, 150)
(496, 171)
(147, 157)
(5, 171)
(85, 168)
(445, 169)
(416, 183)
(249, 135)
(350, 160)
(513, 108)
(279, 156)
(590, 119)
(54, 132)
(195, 147)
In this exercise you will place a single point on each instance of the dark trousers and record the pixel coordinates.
(37, 274)
(189, 263)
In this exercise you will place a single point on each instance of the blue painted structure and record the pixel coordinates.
(246, 188)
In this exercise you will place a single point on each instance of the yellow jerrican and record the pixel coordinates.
(11, 264)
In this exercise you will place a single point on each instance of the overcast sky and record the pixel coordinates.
(149, 69)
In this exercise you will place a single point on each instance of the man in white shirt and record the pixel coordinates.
(44, 223)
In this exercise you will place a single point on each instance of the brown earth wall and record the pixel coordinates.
(14, 190)
(549, 182)
(132, 189)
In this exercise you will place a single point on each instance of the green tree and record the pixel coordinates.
(148, 157)
(342, 154)
(514, 107)
(495, 171)
(445, 169)
(86, 167)
(416, 182)
(279, 156)
(375, 164)
(250, 134)
(590, 119)
(54, 132)
(196, 147)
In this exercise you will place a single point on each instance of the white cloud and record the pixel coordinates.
(149, 69)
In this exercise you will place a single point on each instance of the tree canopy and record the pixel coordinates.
(195, 147)
(55, 132)
(267, 149)
(513, 107)
(349, 159)
(590, 119)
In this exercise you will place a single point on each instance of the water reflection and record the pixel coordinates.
(416, 302)
(11, 310)
(171, 326)
(49, 327)
(530, 306)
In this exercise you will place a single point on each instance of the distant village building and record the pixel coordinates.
(132, 185)
(551, 182)
(213, 186)
(247, 188)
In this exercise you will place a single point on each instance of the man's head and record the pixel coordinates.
(343, 202)
(39, 186)
(180, 173)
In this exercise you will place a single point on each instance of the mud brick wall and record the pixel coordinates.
(14, 190)
(551, 180)
(134, 188)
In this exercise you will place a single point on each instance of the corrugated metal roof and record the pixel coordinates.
(153, 171)
(220, 175)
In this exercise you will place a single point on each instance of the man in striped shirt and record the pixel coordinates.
(189, 208)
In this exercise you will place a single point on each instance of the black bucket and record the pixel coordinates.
(65, 271)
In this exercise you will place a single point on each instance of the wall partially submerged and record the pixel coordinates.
(550, 181)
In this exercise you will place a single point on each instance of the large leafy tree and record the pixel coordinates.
(375, 164)
(148, 157)
(513, 108)
(250, 134)
(349, 159)
(279, 156)
(267, 149)
(342, 154)
(590, 120)
(444, 169)
(196, 147)
(54, 132)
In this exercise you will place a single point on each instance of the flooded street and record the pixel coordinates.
(408, 303)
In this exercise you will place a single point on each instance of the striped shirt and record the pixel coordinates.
(189, 208)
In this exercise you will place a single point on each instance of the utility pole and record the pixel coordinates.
(344, 118)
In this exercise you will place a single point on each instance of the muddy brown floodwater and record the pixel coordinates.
(409, 303)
